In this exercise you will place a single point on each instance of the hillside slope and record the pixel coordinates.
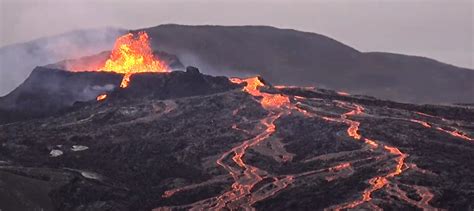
(292, 57)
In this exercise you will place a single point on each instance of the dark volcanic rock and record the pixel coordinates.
(51, 91)
(191, 69)
(174, 84)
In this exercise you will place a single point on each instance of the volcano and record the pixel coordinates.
(126, 130)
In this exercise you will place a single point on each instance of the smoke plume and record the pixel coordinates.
(18, 60)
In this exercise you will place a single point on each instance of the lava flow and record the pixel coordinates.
(241, 195)
(252, 184)
(378, 182)
(454, 133)
(269, 101)
(245, 176)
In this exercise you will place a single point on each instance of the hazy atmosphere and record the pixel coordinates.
(236, 105)
(442, 30)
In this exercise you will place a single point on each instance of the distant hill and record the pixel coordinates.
(285, 56)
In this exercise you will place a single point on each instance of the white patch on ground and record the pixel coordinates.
(91, 175)
(87, 174)
(77, 148)
(55, 153)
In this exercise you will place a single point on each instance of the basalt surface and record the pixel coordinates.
(184, 140)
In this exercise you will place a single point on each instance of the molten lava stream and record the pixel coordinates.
(454, 133)
(425, 124)
(377, 182)
(243, 183)
(245, 175)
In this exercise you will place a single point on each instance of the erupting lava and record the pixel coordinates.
(133, 54)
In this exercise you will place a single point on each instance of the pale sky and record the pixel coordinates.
(439, 29)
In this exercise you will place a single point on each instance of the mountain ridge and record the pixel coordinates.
(291, 57)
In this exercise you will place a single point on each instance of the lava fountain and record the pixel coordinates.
(133, 54)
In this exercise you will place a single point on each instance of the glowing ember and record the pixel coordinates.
(425, 124)
(340, 167)
(371, 143)
(133, 55)
(343, 93)
(456, 133)
(101, 97)
(125, 80)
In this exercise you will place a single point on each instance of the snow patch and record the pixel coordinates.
(55, 153)
(77, 148)
(91, 175)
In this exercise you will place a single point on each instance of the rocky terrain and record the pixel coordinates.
(184, 140)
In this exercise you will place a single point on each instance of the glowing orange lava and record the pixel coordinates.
(425, 124)
(269, 101)
(245, 175)
(378, 182)
(353, 130)
(340, 167)
(343, 93)
(251, 184)
(101, 97)
(456, 133)
(133, 54)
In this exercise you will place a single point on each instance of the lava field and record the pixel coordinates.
(185, 140)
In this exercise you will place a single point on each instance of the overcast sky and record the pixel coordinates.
(440, 29)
